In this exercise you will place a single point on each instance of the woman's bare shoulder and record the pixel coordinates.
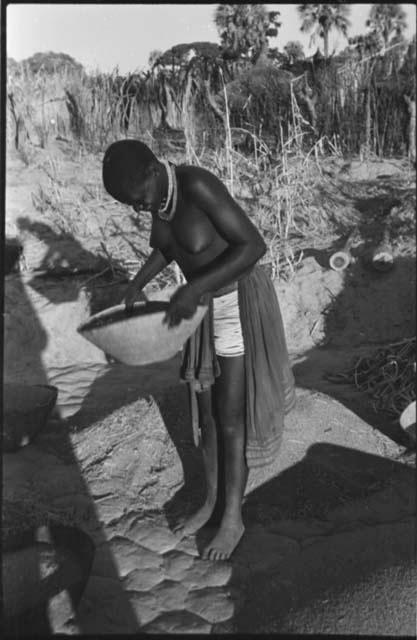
(192, 177)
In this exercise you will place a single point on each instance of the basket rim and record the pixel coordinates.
(120, 307)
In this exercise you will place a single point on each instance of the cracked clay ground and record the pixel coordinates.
(330, 529)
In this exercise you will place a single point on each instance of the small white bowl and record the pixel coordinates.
(408, 416)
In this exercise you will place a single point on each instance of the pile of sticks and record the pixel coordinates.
(388, 376)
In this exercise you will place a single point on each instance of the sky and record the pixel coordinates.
(105, 36)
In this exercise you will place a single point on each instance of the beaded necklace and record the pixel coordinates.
(172, 193)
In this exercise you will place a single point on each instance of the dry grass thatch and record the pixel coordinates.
(191, 112)
(387, 375)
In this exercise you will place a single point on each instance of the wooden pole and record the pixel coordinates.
(194, 414)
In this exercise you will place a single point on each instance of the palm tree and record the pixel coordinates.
(245, 28)
(387, 19)
(154, 56)
(294, 51)
(322, 18)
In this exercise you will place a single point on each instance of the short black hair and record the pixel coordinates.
(124, 163)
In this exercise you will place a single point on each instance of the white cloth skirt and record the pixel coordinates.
(228, 338)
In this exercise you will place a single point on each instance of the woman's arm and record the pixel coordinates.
(153, 265)
(245, 244)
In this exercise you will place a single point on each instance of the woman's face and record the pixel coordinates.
(146, 195)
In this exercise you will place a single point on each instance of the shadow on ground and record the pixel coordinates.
(289, 563)
(37, 621)
(373, 309)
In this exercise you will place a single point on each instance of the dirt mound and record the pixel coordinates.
(373, 169)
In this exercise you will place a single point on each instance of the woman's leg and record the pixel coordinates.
(209, 450)
(229, 401)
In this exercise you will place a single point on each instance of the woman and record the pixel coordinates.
(237, 360)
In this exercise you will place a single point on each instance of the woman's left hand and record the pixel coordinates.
(183, 304)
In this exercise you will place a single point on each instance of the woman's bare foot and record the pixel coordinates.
(225, 541)
(195, 522)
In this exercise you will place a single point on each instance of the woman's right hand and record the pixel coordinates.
(131, 295)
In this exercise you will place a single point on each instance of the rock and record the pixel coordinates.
(170, 595)
(145, 606)
(119, 527)
(188, 545)
(143, 579)
(153, 537)
(178, 622)
(110, 509)
(206, 573)
(213, 605)
(129, 556)
(176, 564)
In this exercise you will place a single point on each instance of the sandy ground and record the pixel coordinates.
(330, 526)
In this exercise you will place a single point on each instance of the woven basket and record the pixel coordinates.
(139, 337)
(25, 412)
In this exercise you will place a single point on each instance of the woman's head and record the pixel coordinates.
(131, 174)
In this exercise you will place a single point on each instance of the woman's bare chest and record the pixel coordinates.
(189, 234)
(190, 239)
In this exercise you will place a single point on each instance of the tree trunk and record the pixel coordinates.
(188, 124)
(368, 120)
(212, 101)
(326, 43)
(262, 58)
(160, 99)
(411, 104)
(310, 101)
